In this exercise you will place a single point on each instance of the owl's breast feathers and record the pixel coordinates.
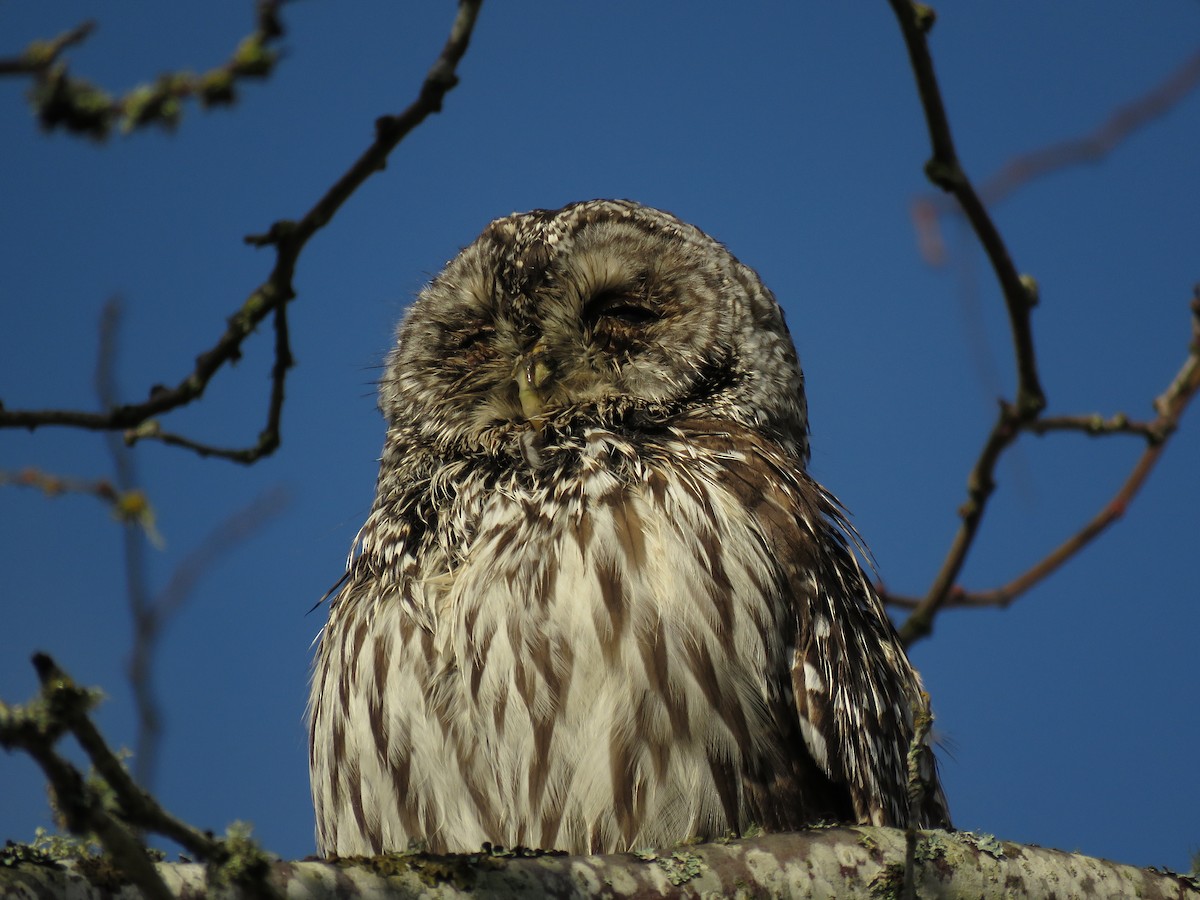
(664, 637)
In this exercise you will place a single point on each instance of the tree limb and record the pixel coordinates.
(63, 100)
(40, 55)
(270, 297)
(1170, 406)
(115, 810)
(945, 171)
(824, 862)
(1020, 295)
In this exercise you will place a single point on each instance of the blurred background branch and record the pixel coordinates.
(62, 100)
(151, 614)
(1022, 170)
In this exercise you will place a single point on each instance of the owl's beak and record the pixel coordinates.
(533, 374)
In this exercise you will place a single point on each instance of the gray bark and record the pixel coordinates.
(826, 862)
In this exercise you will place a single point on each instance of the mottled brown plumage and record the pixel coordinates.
(598, 603)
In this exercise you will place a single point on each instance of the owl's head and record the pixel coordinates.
(602, 313)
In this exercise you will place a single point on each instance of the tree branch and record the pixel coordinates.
(945, 171)
(127, 506)
(1089, 148)
(1020, 295)
(268, 438)
(63, 706)
(842, 861)
(848, 863)
(1170, 405)
(1094, 425)
(40, 55)
(60, 99)
(289, 239)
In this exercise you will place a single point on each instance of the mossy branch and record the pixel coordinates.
(847, 863)
(63, 100)
(115, 810)
(139, 421)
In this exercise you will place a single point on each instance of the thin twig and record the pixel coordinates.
(918, 754)
(944, 170)
(268, 438)
(56, 485)
(289, 239)
(1095, 425)
(41, 55)
(1113, 510)
(1170, 405)
(62, 100)
(1089, 148)
(131, 507)
(133, 547)
(63, 706)
(152, 615)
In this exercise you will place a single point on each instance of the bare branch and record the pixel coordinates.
(268, 438)
(57, 485)
(1020, 294)
(288, 239)
(1170, 405)
(918, 786)
(131, 507)
(1095, 425)
(1090, 148)
(35, 729)
(945, 171)
(389, 131)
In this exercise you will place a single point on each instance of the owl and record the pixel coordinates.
(598, 603)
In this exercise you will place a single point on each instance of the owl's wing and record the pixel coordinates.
(853, 689)
(856, 692)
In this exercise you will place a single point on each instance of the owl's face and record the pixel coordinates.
(602, 313)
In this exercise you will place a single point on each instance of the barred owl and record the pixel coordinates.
(599, 603)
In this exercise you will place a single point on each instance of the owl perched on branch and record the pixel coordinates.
(598, 603)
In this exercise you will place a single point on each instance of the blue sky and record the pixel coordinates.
(792, 132)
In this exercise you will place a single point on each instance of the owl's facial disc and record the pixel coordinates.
(588, 348)
(602, 315)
